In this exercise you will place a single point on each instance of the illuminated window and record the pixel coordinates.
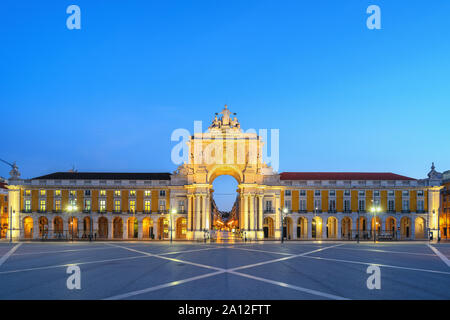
(42, 192)
(103, 193)
(27, 193)
(132, 206)
(72, 193)
(162, 206)
(73, 202)
(57, 205)
(57, 193)
(147, 206)
(132, 193)
(117, 193)
(102, 206)
(27, 205)
(117, 205)
(87, 205)
(147, 193)
(42, 206)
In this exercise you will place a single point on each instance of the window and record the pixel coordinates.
(102, 193)
(420, 193)
(332, 205)
(73, 202)
(87, 193)
(181, 206)
(362, 205)
(303, 205)
(72, 193)
(102, 206)
(420, 205)
(317, 193)
(347, 193)
(268, 205)
(405, 205)
(287, 193)
(42, 192)
(147, 206)
(147, 193)
(87, 205)
(332, 193)
(303, 193)
(287, 204)
(362, 193)
(391, 205)
(57, 193)
(162, 205)
(405, 193)
(317, 205)
(376, 202)
(27, 193)
(391, 193)
(376, 193)
(116, 193)
(27, 205)
(117, 207)
(162, 193)
(347, 205)
(132, 206)
(42, 206)
(57, 205)
(132, 193)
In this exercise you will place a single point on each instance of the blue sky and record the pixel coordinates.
(107, 97)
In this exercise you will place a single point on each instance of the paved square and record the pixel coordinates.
(269, 270)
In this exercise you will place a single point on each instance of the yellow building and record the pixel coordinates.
(299, 205)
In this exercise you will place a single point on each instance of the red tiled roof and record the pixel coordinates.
(342, 176)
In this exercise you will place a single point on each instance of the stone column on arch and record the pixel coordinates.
(197, 212)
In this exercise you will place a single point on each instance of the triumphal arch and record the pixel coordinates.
(226, 149)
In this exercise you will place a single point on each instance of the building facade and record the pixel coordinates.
(4, 216)
(444, 219)
(179, 205)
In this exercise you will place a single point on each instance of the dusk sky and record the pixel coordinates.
(107, 97)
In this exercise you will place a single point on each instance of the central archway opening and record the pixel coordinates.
(225, 208)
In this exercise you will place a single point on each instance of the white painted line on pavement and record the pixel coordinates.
(440, 255)
(162, 286)
(9, 253)
(375, 264)
(290, 286)
(285, 258)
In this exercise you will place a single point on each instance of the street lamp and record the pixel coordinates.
(283, 212)
(172, 212)
(71, 209)
(374, 211)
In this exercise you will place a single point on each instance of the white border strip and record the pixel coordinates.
(9, 253)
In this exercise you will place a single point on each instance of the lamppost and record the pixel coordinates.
(374, 210)
(172, 212)
(71, 209)
(283, 212)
